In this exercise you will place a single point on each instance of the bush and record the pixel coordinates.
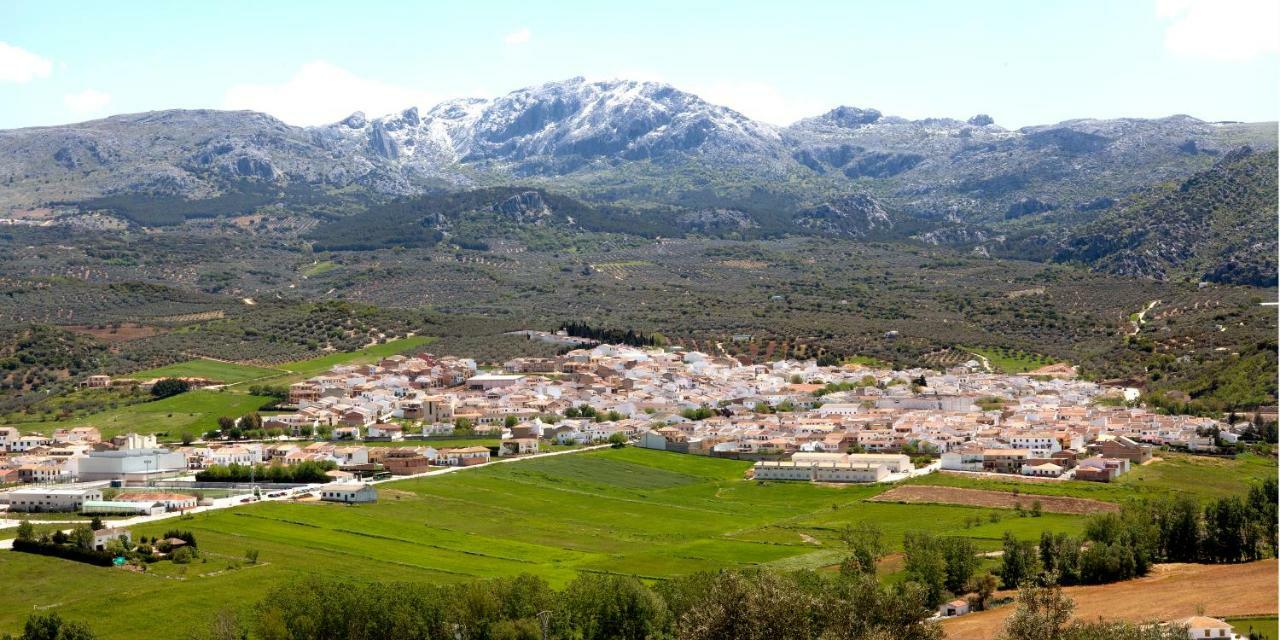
(66, 552)
(183, 555)
(169, 387)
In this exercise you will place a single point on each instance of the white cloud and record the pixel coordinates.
(518, 37)
(1221, 30)
(19, 65)
(87, 101)
(759, 101)
(321, 93)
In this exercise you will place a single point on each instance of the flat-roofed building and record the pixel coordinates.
(130, 464)
(50, 498)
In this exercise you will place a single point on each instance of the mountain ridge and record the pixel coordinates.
(640, 145)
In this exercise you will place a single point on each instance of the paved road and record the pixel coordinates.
(234, 501)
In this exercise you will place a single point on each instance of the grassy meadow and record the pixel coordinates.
(1266, 627)
(629, 511)
(222, 372)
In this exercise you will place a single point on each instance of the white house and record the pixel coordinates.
(102, 537)
(1046, 470)
(349, 493)
(957, 607)
(1200, 627)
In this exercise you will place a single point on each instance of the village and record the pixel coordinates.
(797, 420)
(348, 430)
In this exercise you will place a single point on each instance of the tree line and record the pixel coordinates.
(305, 472)
(1124, 545)
(612, 336)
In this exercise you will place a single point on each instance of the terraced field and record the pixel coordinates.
(628, 511)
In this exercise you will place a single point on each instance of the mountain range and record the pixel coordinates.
(653, 147)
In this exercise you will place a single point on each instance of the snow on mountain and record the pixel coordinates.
(561, 126)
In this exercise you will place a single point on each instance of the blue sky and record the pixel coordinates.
(311, 62)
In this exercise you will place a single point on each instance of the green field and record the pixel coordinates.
(1266, 627)
(630, 511)
(302, 369)
(223, 372)
(198, 411)
(318, 268)
(1177, 473)
(194, 411)
(1010, 360)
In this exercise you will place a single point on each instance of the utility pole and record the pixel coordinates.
(544, 619)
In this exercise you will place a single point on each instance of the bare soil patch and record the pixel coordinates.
(1171, 591)
(997, 499)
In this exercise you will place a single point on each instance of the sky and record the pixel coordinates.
(314, 62)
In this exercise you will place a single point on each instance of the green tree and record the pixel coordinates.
(604, 607)
(865, 542)
(26, 531)
(82, 537)
(983, 587)
(1017, 562)
(617, 440)
(51, 626)
(926, 565)
(961, 560)
(169, 387)
(1042, 613)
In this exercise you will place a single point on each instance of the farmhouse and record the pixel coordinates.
(1199, 627)
(102, 537)
(957, 607)
(351, 493)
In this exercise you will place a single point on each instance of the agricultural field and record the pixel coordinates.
(1171, 591)
(629, 511)
(221, 372)
(194, 412)
(1200, 476)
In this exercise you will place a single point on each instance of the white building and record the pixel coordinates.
(349, 493)
(1200, 627)
(894, 462)
(962, 460)
(50, 499)
(130, 464)
(820, 471)
(1041, 445)
(102, 537)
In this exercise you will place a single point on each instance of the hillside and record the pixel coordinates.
(1217, 225)
(623, 139)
